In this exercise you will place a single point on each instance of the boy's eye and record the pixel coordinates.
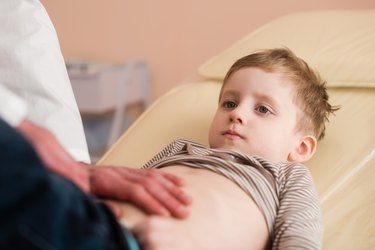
(263, 109)
(229, 104)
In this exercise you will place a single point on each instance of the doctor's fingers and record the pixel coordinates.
(159, 183)
(139, 174)
(157, 199)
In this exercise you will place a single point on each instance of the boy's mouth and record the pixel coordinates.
(232, 135)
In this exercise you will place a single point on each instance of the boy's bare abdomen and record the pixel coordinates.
(222, 215)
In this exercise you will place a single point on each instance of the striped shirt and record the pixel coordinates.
(284, 192)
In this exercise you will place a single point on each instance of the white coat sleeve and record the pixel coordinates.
(33, 68)
(12, 109)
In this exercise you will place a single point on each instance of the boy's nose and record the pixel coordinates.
(237, 116)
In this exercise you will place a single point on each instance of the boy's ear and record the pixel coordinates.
(304, 150)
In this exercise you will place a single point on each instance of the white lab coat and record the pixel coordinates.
(34, 77)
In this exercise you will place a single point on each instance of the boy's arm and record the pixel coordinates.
(299, 222)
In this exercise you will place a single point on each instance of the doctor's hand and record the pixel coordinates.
(154, 191)
(53, 155)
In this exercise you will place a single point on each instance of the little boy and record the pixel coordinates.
(250, 188)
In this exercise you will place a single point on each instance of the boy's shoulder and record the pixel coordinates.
(291, 174)
(288, 167)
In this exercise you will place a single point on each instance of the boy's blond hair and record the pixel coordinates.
(310, 91)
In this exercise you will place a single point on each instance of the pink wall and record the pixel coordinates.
(175, 37)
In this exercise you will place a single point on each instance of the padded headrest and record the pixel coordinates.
(339, 44)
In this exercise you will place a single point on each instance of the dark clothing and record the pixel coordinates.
(42, 210)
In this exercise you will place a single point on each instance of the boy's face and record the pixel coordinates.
(256, 115)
